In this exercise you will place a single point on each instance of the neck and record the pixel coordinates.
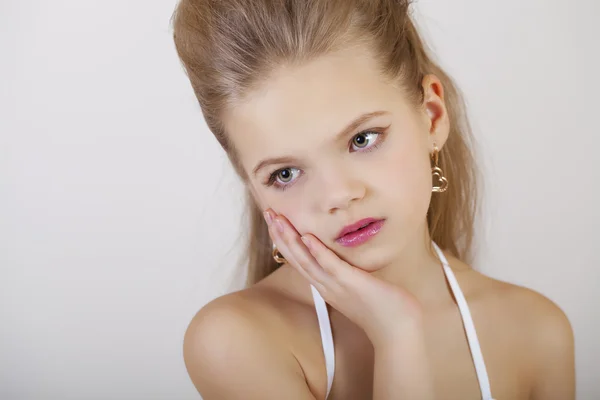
(418, 270)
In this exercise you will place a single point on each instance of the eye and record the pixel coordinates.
(282, 177)
(364, 139)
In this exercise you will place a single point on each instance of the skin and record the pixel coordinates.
(264, 342)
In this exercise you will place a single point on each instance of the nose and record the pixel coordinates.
(339, 190)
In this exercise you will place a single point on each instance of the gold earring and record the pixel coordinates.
(277, 256)
(437, 173)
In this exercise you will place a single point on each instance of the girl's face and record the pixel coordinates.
(307, 159)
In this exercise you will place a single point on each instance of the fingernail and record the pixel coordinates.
(279, 225)
(306, 242)
(268, 217)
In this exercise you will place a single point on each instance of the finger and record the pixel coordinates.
(330, 261)
(291, 259)
(304, 259)
(292, 239)
(284, 248)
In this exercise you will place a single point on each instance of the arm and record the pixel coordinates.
(401, 368)
(554, 354)
(229, 356)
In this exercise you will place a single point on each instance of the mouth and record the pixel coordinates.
(359, 232)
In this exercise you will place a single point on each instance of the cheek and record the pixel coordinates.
(409, 183)
(295, 209)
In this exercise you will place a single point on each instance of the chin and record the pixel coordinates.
(371, 259)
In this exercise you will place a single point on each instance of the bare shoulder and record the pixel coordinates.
(545, 325)
(533, 326)
(532, 311)
(544, 314)
(234, 348)
(499, 298)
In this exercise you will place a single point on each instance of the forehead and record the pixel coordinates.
(300, 107)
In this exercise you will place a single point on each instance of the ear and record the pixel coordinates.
(436, 114)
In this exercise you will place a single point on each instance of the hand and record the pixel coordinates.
(382, 310)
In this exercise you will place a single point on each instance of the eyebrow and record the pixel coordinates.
(352, 126)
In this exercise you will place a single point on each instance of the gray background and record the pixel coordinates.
(119, 215)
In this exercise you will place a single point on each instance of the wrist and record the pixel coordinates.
(408, 331)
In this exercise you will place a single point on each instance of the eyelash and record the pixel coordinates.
(273, 177)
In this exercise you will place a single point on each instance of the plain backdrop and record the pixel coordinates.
(120, 216)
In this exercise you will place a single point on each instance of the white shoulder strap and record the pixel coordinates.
(326, 336)
(482, 375)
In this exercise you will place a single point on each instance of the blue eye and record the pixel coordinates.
(281, 178)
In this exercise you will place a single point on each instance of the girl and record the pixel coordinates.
(354, 144)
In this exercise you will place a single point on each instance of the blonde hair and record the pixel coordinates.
(228, 47)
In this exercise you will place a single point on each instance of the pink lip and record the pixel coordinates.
(351, 237)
